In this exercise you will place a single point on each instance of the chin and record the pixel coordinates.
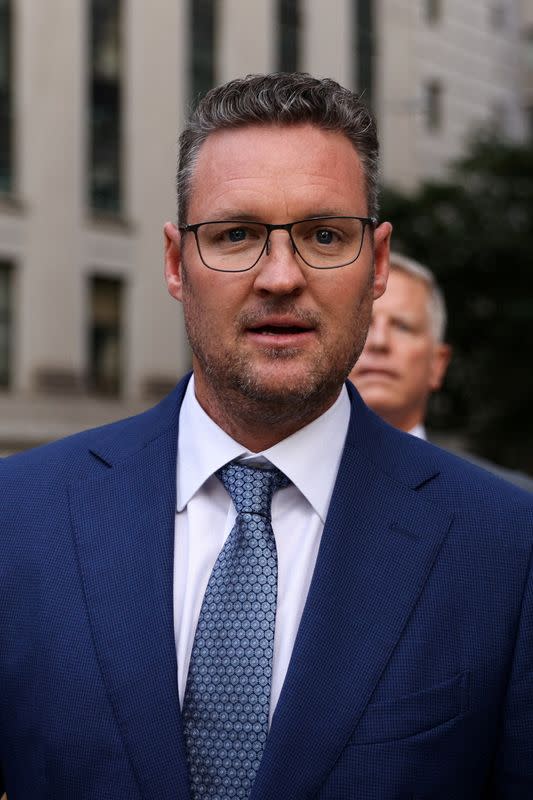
(281, 384)
(378, 402)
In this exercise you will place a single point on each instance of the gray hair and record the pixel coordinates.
(283, 98)
(436, 302)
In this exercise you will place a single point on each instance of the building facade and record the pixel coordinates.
(444, 69)
(92, 95)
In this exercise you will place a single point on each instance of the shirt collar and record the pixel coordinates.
(310, 457)
(419, 431)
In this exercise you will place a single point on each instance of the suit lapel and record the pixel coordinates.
(124, 531)
(379, 543)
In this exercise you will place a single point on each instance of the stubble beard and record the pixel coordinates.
(239, 384)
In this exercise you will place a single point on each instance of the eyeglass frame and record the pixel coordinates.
(287, 226)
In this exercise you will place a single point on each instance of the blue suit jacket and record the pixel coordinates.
(412, 672)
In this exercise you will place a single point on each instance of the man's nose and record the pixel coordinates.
(378, 335)
(280, 270)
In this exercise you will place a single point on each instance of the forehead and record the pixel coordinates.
(405, 293)
(285, 169)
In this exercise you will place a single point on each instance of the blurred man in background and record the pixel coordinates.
(405, 356)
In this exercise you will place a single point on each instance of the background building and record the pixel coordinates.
(445, 68)
(92, 94)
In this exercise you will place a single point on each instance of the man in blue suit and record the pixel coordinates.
(258, 588)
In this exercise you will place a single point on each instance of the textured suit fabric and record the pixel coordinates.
(411, 675)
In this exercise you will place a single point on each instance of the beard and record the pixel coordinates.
(249, 387)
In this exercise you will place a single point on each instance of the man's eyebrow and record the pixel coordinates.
(238, 214)
(407, 318)
(233, 214)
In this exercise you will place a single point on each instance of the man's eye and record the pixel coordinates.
(236, 235)
(403, 326)
(324, 236)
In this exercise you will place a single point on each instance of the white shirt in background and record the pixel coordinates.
(418, 431)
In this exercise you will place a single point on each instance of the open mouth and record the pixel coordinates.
(281, 328)
(277, 330)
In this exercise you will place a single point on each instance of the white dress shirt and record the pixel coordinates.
(205, 515)
(419, 431)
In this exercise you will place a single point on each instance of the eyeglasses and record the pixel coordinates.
(235, 245)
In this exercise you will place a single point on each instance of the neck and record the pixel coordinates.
(260, 424)
(402, 421)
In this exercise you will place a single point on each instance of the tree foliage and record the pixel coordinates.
(475, 231)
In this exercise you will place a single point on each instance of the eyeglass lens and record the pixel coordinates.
(323, 244)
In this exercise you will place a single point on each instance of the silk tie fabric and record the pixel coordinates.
(227, 696)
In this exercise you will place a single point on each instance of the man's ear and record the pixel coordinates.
(441, 358)
(382, 236)
(173, 263)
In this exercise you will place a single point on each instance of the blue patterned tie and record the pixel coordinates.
(227, 697)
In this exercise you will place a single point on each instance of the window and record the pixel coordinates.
(289, 35)
(498, 118)
(6, 96)
(529, 121)
(105, 335)
(497, 16)
(106, 106)
(433, 106)
(528, 47)
(364, 49)
(433, 11)
(5, 322)
(203, 26)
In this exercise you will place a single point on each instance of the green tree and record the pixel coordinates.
(475, 231)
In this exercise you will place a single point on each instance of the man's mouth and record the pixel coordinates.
(376, 372)
(273, 330)
(284, 331)
(280, 323)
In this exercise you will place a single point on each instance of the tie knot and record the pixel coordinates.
(251, 488)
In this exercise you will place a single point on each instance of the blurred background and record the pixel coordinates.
(92, 96)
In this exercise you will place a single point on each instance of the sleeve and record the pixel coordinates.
(513, 774)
